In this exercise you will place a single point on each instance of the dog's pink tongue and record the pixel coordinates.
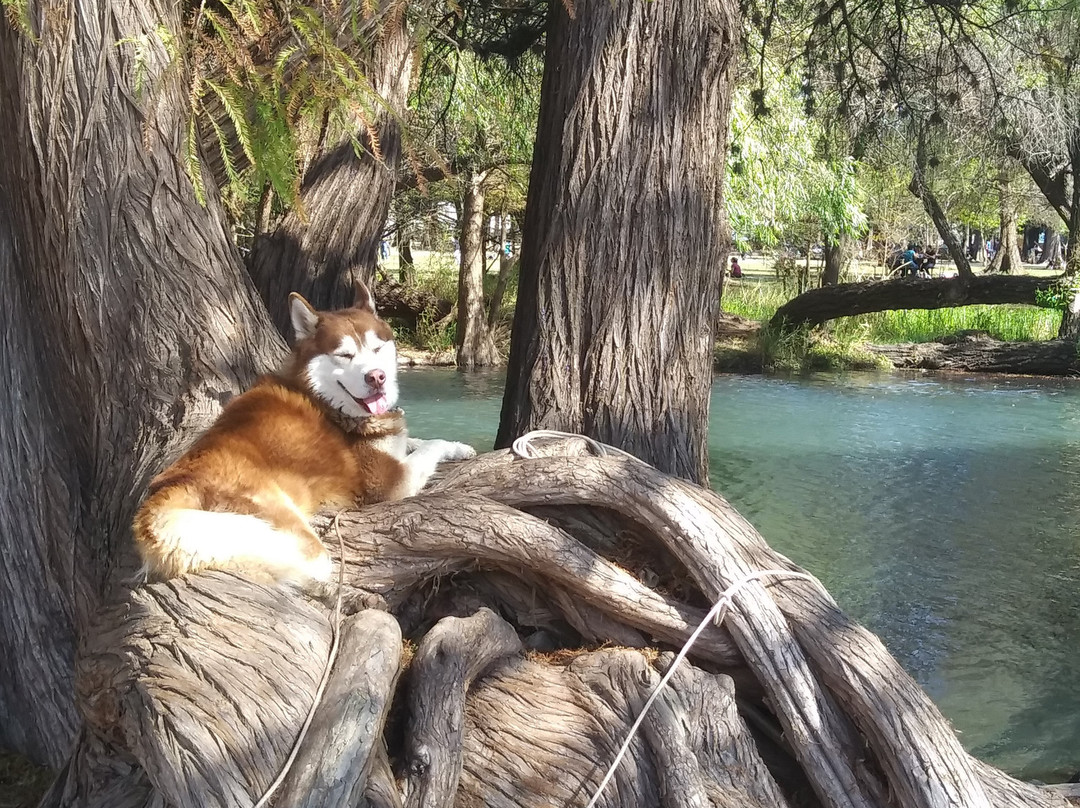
(377, 404)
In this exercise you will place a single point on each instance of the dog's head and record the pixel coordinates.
(347, 358)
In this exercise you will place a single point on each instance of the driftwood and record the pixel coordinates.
(978, 352)
(193, 691)
(847, 299)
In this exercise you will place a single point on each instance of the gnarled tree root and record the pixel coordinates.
(193, 690)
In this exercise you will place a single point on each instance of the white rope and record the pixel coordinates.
(335, 631)
(717, 612)
(523, 446)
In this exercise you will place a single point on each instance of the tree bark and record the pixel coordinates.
(475, 346)
(837, 256)
(920, 187)
(330, 239)
(1052, 254)
(197, 685)
(129, 320)
(820, 305)
(406, 264)
(624, 238)
(980, 353)
(1007, 260)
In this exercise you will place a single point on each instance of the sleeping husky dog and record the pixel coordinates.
(323, 431)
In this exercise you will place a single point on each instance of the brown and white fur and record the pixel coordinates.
(322, 431)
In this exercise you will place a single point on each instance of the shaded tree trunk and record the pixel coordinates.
(1007, 260)
(406, 264)
(475, 347)
(129, 320)
(837, 256)
(1052, 254)
(624, 239)
(920, 187)
(331, 238)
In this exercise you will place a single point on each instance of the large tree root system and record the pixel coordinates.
(502, 632)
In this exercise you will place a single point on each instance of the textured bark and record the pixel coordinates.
(1007, 258)
(450, 657)
(624, 238)
(837, 256)
(128, 320)
(983, 354)
(1052, 255)
(193, 690)
(821, 305)
(1050, 179)
(331, 238)
(330, 768)
(475, 346)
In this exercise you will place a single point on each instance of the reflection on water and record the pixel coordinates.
(941, 513)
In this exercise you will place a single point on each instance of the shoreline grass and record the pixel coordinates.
(1010, 323)
(840, 344)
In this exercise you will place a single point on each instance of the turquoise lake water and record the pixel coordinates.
(941, 512)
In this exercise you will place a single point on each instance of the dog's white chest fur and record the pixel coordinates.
(397, 446)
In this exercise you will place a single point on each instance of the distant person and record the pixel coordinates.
(736, 270)
(910, 262)
(927, 261)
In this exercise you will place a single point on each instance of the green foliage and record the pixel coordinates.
(786, 182)
(434, 335)
(266, 83)
(1010, 323)
(1058, 296)
(805, 349)
(18, 14)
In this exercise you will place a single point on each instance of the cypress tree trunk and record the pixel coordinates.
(332, 238)
(475, 348)
(129, 318)
(1052, 249)
(624, 239)
(1007, 259)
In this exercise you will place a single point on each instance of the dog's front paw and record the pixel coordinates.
(320, 568)
(458, 451)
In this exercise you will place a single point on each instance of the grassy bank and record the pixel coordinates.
(759, 300)
(839, 343)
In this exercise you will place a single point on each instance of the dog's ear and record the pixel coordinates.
(304, 317)
(364, 299)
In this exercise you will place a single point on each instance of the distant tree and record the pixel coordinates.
(790, 180)
(481, 116)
